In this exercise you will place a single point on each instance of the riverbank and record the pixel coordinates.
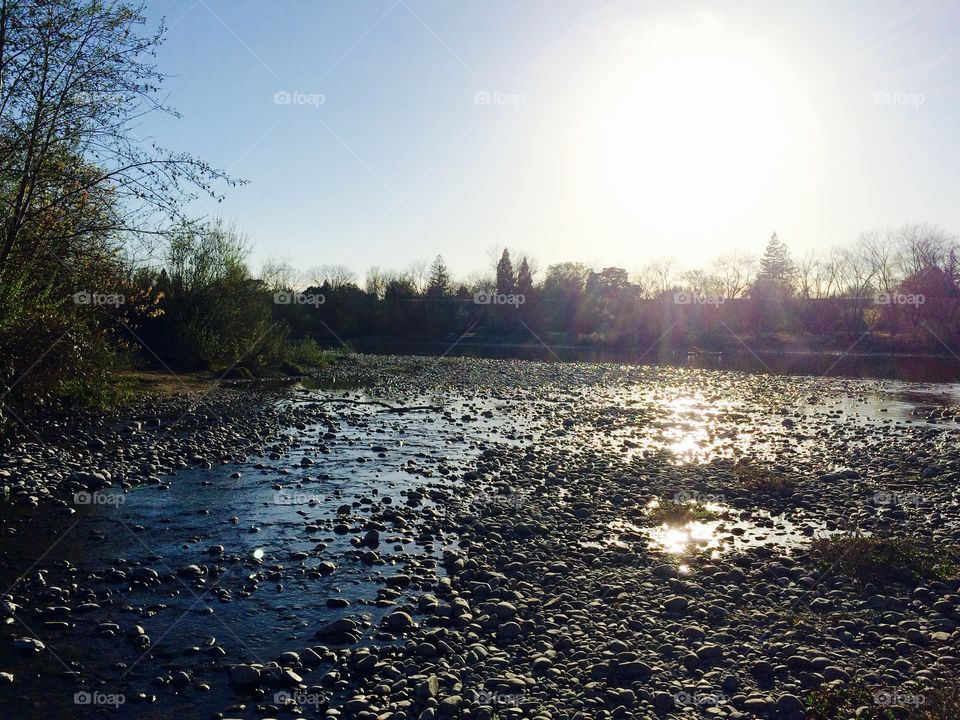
(499, 551)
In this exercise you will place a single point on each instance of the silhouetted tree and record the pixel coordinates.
(438, 285)
(525, 279)
(776, 266)
(506, 281)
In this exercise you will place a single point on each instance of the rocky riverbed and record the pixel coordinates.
(486, 539)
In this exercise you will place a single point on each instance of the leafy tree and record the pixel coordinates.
(77, 185)
(76, 79)
(214, 315)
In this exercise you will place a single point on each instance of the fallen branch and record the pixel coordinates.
(387, 408)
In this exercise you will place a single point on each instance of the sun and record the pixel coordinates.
(691, 136)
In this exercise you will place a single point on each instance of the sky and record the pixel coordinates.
(607, 132)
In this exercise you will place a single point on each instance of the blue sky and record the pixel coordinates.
(607, 132)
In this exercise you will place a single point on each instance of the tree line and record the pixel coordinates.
(899, 286)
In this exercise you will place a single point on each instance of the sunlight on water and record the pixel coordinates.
(721, 532)
(692, 423)
(691, 536)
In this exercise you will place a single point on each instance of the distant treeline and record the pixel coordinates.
(898, 290)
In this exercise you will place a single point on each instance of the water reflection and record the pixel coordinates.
(726, 418)
(679, 540)
(715, 529)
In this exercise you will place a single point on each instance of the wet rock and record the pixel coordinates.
(28, 645)
(244, 675)
(399, 620)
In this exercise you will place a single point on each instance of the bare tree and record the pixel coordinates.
(881, 251)
(734, 272)
(278, 274)
(808, 272)
(479, 281)
(855, 273)
(419, 274)
(921, 246)
(376, 282)
(697, 282)
(335, 276)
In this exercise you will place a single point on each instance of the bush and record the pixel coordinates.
(677, 513)
(884, 560)
(306, 353)
(758, 478)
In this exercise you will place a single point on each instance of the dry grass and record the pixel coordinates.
(680, 513)
(761, 479)
(883, 560)
(940, 701)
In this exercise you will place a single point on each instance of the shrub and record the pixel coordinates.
(679, 513)
(306, 353)
(883, 560)
(758, 478)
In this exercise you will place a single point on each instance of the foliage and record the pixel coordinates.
(506, 280)
(213, 314)
(306, 354)
(938, 700)
(760, 478)
(680, 513)
(840, 701)
(777, 274)
(884, 560)
(78, 190)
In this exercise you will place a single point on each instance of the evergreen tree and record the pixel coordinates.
(439, 282)
(506, 281)
(524, 279)
(776, 266)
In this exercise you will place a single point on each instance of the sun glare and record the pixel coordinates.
(691, 135)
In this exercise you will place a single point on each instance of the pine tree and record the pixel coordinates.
(506, 282)
(524, 279)
(776, 266)
(439, 282)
